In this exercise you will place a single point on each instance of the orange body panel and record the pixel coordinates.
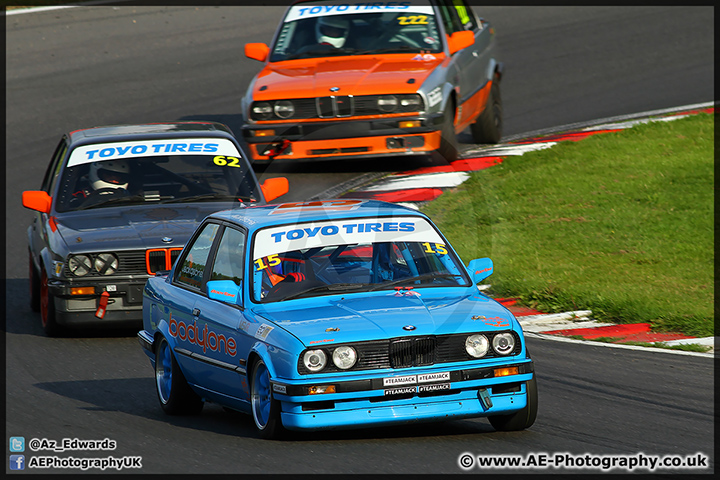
(371, 75)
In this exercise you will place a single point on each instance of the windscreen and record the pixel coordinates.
(155, 172)
(341, 28)
(351, 255)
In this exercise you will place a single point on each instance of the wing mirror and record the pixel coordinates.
(257, 51)
(37, 200)
(225, 291)
(459, 40)
(480, 269)
(273, 188)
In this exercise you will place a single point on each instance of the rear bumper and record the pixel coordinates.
(343, 139)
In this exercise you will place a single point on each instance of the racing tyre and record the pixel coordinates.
(265, 409)
(522, 419)
(488, 126)
(175, 395)
(34, 278)
(448, 141)
(47, 307)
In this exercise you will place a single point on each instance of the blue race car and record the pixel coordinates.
(333, 314)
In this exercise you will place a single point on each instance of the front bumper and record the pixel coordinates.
(124, 308)
(466, 393)
(340, 139)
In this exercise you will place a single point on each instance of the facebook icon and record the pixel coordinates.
(17, 462)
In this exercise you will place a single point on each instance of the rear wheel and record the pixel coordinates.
(175, 395)
(488, 126)
(265, 409)
(448, 141)
(522, 419)
(47, 307)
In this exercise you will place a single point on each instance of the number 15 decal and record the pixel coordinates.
(272, 260)
(435, 248)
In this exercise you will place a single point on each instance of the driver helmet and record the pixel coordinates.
(109, 174)
(332, 30)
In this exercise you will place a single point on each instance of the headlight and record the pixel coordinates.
(476, 345)
(315, 360)
(344, 357)
(106, 264)
(284, 109)
(503, 343)
(79, 265)
(387, 103)
(262, 111)
(411, 102)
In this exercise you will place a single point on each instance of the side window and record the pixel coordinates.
(229, 257)
(465, 15)
(192, 266)
(450, 18)
(54, 168)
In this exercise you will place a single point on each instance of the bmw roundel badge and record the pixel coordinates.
(409, 327)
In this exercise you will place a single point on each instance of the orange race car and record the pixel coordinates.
(347, 79)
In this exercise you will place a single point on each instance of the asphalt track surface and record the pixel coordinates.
(81, 67)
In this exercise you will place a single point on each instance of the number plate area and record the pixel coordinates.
(426, 382)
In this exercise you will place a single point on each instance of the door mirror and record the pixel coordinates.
(37, 200)
(480, 269)
(225, 291)
(273, 188)
(459, 40)
(257, 51)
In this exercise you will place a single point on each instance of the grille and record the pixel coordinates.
(412, 352)
(158, 259)
(407, 352)
(346, 106)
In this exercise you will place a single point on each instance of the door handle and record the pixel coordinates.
(196, 312)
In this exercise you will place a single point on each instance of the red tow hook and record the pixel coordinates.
(102, 306)
(278, 149)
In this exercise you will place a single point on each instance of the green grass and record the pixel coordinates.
(619, 223)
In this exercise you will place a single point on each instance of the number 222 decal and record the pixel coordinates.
(413, 20)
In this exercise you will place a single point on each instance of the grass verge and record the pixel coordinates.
(619, 223)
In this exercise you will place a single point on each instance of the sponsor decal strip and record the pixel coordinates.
(299, 12)
(151, 148)
(286, 238)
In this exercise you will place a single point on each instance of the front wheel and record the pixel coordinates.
(448, 140)
(522, 419)
(175, 395)
(488, 126)
(265, 409)
(47, 307)
(34, 278)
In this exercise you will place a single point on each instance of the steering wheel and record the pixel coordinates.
(102, 191)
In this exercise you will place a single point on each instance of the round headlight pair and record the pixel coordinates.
(282, 109)
(343, 357)
(477, 345)
(104, 264)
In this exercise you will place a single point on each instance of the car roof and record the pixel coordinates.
(144, 131)
(257, 217)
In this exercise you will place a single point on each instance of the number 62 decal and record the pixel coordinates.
(224, 161)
